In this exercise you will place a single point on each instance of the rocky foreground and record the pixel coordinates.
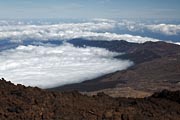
(18, 102)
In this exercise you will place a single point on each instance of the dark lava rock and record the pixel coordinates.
(175, 96)
(31, 103)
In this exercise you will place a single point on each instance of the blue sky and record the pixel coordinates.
(89, 9)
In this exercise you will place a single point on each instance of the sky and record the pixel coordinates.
(18, 9)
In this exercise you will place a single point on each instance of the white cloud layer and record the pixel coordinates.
(97, 29)
(55, 31)
(90, 30)
(50, 66)
(167, 29)
(47, 66)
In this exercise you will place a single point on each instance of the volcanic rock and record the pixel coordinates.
(31, 103)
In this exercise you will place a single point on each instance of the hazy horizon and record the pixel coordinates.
(75, 9)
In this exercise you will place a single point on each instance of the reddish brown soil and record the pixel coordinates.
(18, 102)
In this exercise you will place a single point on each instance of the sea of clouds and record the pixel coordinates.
(51, 66)
(161, 28)
(97, 29)
(47, 66)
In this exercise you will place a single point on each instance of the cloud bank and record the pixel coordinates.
(51, 66)
(48, 66)
(97, 29)
(167, 29)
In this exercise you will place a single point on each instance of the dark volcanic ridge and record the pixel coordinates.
(26, 103)
(137, 52)
(157, 67)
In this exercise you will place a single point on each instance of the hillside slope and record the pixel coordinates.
(157, 67)
(20, 103)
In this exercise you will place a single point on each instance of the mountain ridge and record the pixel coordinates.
(157, 67)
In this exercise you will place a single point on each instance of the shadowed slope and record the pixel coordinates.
(157, 67)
